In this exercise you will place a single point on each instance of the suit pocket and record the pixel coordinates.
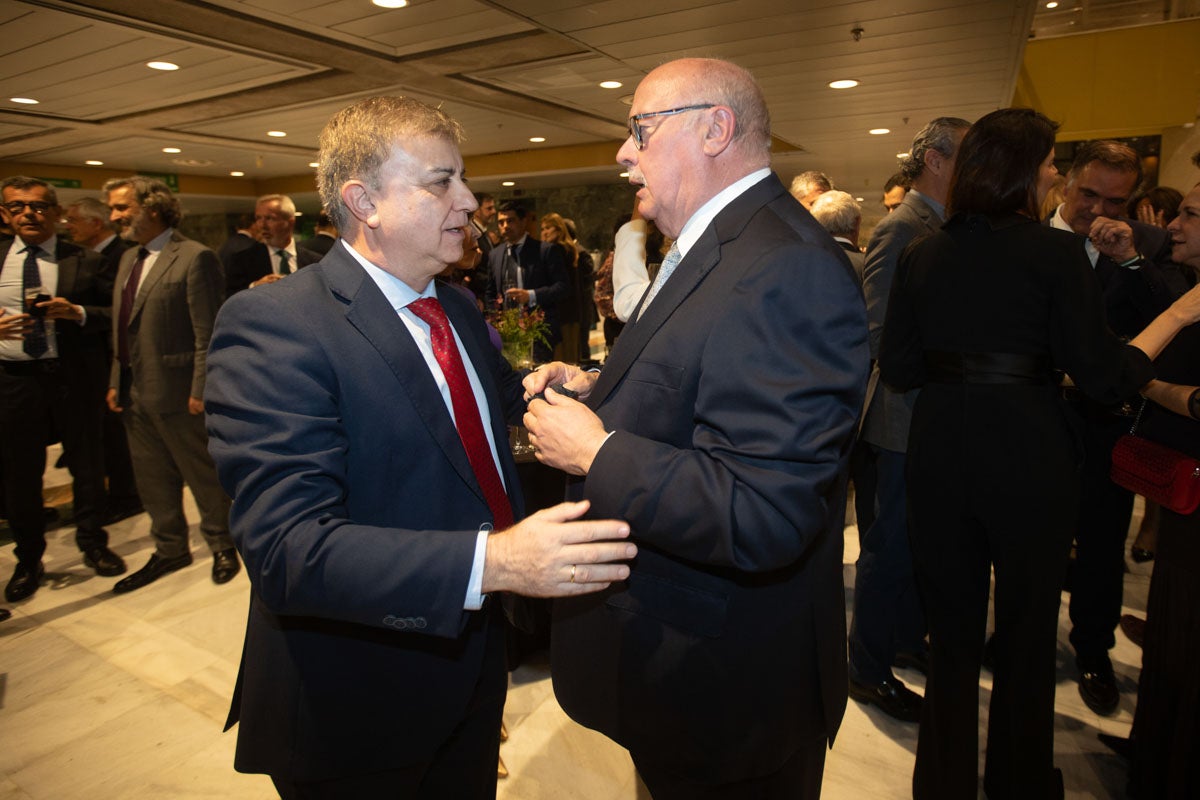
(667, 375)
(692, 610)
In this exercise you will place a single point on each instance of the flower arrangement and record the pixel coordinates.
(519, 328)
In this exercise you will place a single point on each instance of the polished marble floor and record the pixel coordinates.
(106, 697)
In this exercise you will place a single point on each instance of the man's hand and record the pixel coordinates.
(195, 406)
(548, 555)
(565, 433)
(111, 399)
(270, 277)
(1113, 238)
(1147, 214)
(14, 326)
(62, 308)
(519, 296)
(557, 373)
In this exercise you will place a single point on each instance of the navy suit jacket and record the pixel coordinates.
(356, 512)
(733, 402)
(246, 266)
(545, 265)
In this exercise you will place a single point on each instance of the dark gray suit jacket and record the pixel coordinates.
(889, 414)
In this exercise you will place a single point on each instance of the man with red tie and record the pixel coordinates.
(357, 416)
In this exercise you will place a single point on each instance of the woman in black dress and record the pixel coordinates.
(981, 314)
(1166, 726)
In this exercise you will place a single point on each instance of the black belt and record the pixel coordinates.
(41, 366)
(987, 368)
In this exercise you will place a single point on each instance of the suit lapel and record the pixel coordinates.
(373, 316)
(700, 260)
(165, 260)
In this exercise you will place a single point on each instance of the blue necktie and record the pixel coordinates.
(35, 345)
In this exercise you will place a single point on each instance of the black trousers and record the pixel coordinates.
(798, 779)
(39, 399)
(1098, 574)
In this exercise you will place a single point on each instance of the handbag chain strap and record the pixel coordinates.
(1137, 419)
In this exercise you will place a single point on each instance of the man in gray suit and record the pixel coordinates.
(166, 297)
(888, 624)
(840, 214)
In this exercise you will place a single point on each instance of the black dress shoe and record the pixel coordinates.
(892, 696)
(1141, 555)
(155, 568)
(104, 561)
(225, 566)
(24, 582)
(1098, 685)
(4, 614)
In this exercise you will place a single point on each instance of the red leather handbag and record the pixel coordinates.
(1156, 472)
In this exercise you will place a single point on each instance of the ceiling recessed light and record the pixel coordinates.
(172, 150)
(27, 101)
(163, 66)
(537, 139)
(858, 199)
(623, 175)
(314, 164)
(611, 84)
(508, 183)
(91, 162)
(903, 155)
(1052, 4)
(846, 84)
(879, 131)
(390, 3)
(277, 134)
(237, 173)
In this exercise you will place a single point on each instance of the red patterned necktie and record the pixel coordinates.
(466, 411)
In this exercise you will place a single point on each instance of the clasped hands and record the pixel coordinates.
(1113, 238)
(565, 433)
(16, 326)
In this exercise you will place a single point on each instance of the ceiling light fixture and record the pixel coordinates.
(91, 162)
(1052, 4)
(611, 84)
(314, 164)
(390, 3)
(25, 101)
(277, 134)
(172, 150)
(537, 139)
(237, 173)
(623, 175)
(508, 183)
(879, 131)
(162, 66)
(903, 155)
(844, 84)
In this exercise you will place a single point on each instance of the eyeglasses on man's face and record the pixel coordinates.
(16, 208)
(637, 130)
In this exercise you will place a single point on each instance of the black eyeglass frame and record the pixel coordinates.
(38, 207)
(635, 126)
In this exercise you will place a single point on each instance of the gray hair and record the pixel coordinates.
(152, 195)
(285, 203)
(938, 135)
(25, 182)
(806, 182)
(92, 208)
(838, 213)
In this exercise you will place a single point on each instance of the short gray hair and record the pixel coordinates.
(91, 208)
(806, 182)
(357, 141)
(285, 203)
(152, 195)
(838, 213)
(938, 135)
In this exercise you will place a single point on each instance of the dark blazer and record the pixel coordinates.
(545, 265)
(1134, 297)
(170, 324)
(246, 266)
(733, 403)
(356, 512)
(80, 280)
(320, 244)
(858, 259)
(112, 253)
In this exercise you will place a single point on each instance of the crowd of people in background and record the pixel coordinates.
(1013, 316)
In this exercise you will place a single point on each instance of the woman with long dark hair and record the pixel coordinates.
(981, 315)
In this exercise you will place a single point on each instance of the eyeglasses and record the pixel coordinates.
(17, 207)
(635, 122)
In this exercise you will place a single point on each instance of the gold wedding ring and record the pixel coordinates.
(572, 573)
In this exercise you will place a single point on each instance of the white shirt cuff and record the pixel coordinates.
(474, 598)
